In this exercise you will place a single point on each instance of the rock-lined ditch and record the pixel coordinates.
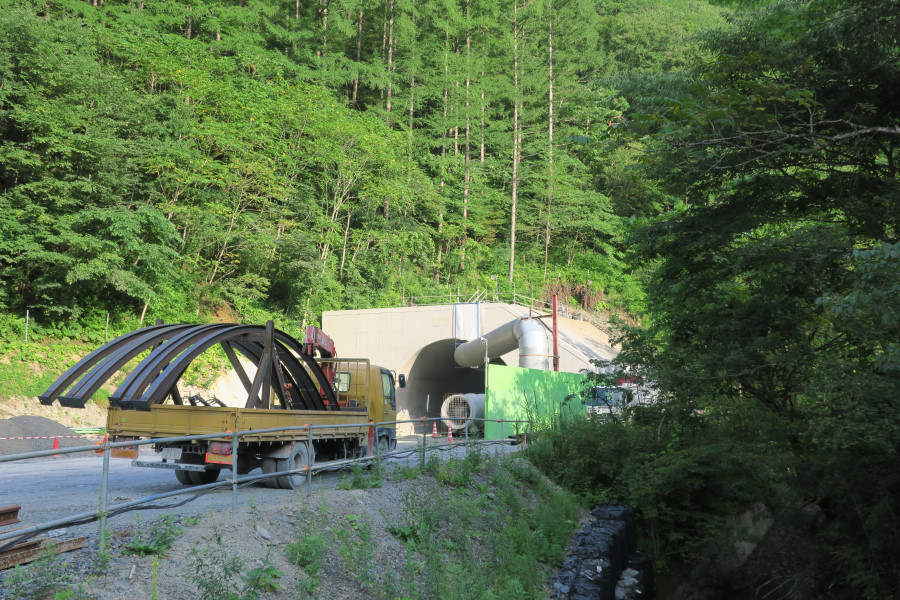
(602, 562)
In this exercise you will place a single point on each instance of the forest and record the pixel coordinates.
(285, 158)
(722, 175)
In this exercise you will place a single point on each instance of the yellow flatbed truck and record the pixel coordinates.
(336, 401)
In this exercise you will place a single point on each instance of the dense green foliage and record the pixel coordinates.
(183, 158)
(728, 168)
(772, 295)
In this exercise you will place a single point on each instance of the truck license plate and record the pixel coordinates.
(171, 453)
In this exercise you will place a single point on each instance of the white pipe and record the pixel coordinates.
(528, 335)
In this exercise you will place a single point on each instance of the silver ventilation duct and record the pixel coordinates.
(529, 335)
(461, 408)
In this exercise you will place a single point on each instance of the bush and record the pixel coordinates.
(686, 474)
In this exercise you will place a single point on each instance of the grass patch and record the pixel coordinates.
(484, 528)
(156, 538)
(361, 479)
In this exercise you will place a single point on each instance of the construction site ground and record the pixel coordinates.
(258, 533)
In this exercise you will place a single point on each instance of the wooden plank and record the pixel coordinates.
(9, 515)
(13, 557)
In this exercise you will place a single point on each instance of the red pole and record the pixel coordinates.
(555, 333)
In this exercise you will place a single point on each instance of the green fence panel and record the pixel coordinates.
(514, 393)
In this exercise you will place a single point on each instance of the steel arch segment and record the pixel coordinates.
(308, 387)
(97, 356)
(150, 367)
(302, 384)
(300, 398)
(252, 351)
(158, 388)
(314, 368)
(102, 372)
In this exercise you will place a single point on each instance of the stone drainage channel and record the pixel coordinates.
(602, 562)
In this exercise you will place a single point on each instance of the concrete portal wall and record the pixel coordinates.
(419, 342)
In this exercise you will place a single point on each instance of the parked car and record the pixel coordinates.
(606, 400)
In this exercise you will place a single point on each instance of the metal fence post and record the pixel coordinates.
(467, 435)
(312, 460)
(234, 473)
(424, 439)
(104, 497)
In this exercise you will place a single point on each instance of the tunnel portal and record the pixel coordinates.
(433, 375)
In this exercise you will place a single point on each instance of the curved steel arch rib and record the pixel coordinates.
(280, 360)
(97, 367)
(154, 363)
(267, 348)
(294, 390)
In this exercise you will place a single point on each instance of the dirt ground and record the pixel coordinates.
(256, 536)
(222, 546)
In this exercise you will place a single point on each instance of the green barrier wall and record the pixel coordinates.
(513, 393)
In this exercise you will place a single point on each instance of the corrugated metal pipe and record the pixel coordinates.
(529, 335)
(460, 408)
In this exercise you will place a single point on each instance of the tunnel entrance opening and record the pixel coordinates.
(431, 377)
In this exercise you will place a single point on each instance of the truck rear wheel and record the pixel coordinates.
(183, 477)
(203, 477)
(270, 465)
(301, 456)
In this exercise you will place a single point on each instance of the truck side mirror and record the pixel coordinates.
(401, 380)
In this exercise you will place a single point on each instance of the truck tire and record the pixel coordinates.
(300, 456)
(187, 477)
(384, 446)
(270, 465)
(203, 477)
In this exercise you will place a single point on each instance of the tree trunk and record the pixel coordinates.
(359, 28)
(390, 50)
(467, 177)
(444, 132)
(344, 251)
(549, 130)
(516, 140)
(384, 28)
(481, 152)
(412, 105)
(324, 27)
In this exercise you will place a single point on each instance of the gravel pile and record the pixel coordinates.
(35, 426)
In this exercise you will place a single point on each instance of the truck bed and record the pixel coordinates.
(165, 420)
